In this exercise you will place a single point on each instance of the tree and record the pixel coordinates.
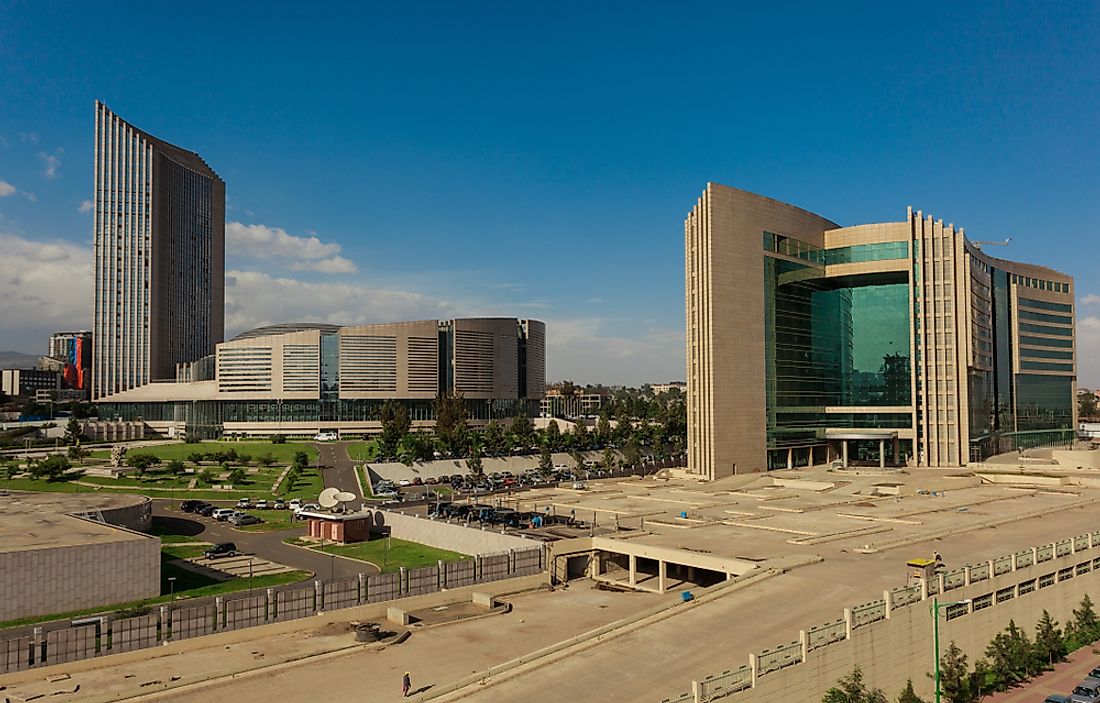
(1086, 404)
(603, 429)
(450, 423)
(551, 438)
(176, 467)
(142, 462)
(580, 435)
(495, 441)
(78, 453)
(196, 457)
(395, 425)
(521, 431)
(546, 463)
(608, 458)
(51, 468)
(73, 432)
(473, 463)
(1084, 628)
(578, 459)
(908, 695)
(207, 476)
(1049, 645)
(290, 480)
(851, 689)
(632, 453)
(301, 460)
(278, 439)
(1010, 658)
(265, 459)
(957, 683)
(237, 476)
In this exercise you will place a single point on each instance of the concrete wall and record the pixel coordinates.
(61, 579)
(456, 538)
(891, 638)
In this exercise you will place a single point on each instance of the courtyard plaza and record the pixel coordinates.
(816, 541)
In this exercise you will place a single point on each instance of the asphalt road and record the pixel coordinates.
(268, 545)
(338, 470)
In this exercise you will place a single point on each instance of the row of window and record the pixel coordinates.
(1040, 284)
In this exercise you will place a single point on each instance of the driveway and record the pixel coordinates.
(338, 470)
(268, 545)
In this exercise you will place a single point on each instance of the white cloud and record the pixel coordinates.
(85, 206)
(254, 298)
(6, 189)
(583, 350)
(44, 287)
(307, 253)
(1090, 299)
(28, 137)
(51, 163)
(1088, 352)
(335, 264)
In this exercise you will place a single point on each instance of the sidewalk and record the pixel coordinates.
(1061, 680)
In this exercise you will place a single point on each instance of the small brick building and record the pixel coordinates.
(341, 528)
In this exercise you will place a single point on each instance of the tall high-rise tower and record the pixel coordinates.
(159, 257)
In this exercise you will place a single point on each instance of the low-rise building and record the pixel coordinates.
(26, 382)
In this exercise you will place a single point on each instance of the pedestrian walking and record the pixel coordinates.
(406, 684)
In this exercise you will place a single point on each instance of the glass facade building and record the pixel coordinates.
(891, 343)
(159, 257)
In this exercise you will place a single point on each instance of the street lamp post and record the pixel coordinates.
(171, 585)
(249, 576)
(935, 610)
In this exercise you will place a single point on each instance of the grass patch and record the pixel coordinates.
(363, 451)
(309, 485)
(283, 453)
(410, 555)
(182, 551)
(273, 520)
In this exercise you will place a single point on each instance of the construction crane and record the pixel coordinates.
(1005, 243)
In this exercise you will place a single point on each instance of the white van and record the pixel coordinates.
(325, 437)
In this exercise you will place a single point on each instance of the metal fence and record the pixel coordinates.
(110, 634)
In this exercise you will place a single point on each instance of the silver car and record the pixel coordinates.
(1088, 691)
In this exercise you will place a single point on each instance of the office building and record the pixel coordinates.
(74, 351)
(306, 378)
(891, 343)
(26, 383)
(159, 257)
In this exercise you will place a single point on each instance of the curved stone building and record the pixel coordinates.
(305, 378)
(890, 343)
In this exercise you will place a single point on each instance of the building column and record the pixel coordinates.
(790, 457)
(844, 449)
(882, 453)
(633, 570)
(661, 566)
(897, 452)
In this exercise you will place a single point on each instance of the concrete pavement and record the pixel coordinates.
(338, 470)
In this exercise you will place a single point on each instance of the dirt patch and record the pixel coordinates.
(335, 629)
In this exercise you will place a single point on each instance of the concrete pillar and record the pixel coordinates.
(752, 668)
(696, 692)
(164, 623)
(440, 574)
(924, 589)
(1014, 567)
(318, 596)
(362, 588)
(661, 566)
(882, 453)
(847, 622)
(804, 640)
(844, 451)
(37, 640)
(219, 613)
(940, 583)
(404, 581)
(269, 604)
(966, 575)
(888, 599)
(691, 574)
(790, 458)
(897, 452)
(633, 570)
(1034, 556)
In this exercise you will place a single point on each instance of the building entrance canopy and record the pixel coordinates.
(880, 436)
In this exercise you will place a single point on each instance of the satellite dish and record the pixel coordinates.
(345, 497)
(327, 499)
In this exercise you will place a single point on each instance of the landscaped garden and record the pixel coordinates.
(208, 470)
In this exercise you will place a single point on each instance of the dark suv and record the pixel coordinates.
(222, 549)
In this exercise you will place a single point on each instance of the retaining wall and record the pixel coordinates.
(444, 535)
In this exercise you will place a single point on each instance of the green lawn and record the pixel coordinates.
(183, 551)
(283, 453)
(363, 451)
(309, 485)
(399, 553)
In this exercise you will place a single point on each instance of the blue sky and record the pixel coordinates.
(435, 159)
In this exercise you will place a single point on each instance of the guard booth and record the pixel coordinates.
(921, 571)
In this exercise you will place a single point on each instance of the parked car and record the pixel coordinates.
(1057, 698)
(241, 519)
(405, 482)
(279, 504)
(207, 510)
(244, 503)
(188, 506)
(306, 507)
(222, 549)
(1088, 691)
(295, 504)
(222, 514)
(261, 505)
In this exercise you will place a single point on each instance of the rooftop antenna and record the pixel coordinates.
(1005, 243)
(343, 498)
(327, 499)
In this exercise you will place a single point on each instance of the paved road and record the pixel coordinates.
(268, 545)
(338, 470)
(1061, 680)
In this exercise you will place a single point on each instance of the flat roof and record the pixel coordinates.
(30, 521)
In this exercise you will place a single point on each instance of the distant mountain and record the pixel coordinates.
(17, 360)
